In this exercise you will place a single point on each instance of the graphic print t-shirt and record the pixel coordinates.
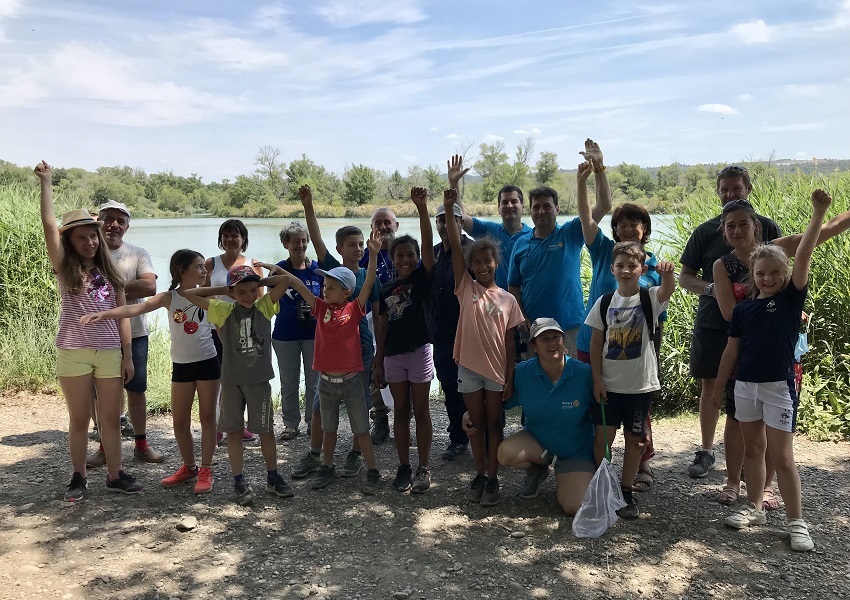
(628, 356)
(246, 338)
(406, 303)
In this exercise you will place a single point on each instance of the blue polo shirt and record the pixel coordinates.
(548, 273)
(603, 282)
(498, 232)
(556, 414)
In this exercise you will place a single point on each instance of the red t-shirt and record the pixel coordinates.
(337, 348)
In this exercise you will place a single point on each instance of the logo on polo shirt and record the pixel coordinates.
(558, 246)
(771, 306)
(566, 404)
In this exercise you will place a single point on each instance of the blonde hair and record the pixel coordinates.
(73, 270)
(765, 252)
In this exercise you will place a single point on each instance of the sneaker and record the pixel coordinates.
(124, 484)
(149, 455)
(279, 487)
(422, 481)
(402, 478)
(243, 494)
(205, 481)
(703, 463)
(453, 452)
(749, 515)
(353, 465)
(247, 436)
(380, 430)
(96, 460)
(801, 541)
(76, 490)
(95, 434)
(490, 497)
(534, 476)
(630, 510)
(373, 480)
(324, 477)
(310, 463)
(182, 475)
(127, 430)
(476, 488)
(220, 439)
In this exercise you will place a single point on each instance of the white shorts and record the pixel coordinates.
(469, 381)
(774, 402)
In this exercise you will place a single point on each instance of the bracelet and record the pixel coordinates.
(599, 170)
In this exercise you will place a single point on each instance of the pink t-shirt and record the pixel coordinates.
(337, 348)
(96, 294)
(486, 314)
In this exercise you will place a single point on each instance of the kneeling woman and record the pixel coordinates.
(555, 393)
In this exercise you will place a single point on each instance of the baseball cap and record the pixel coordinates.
(544, 324)
(342, 274)
(241, 274)
(455, 208)
(116, 205)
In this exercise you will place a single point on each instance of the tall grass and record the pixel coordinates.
(824, 404)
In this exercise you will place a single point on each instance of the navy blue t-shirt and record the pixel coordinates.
(445, 309)
(768, 329)
(384, 271)
(294, 321)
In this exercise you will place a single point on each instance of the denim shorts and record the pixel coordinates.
(139, 383)
(343, 389)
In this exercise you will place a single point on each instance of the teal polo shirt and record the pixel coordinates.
(507, 240)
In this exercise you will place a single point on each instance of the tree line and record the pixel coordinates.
(271, 189)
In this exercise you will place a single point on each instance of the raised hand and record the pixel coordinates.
(584, 170)
(455, 170)
(449, 199)
(419, 196)
(44, 171)
(593, 153)
(374, 242)
(665, 266)
(271, 268)
(821, 200)
(305, 194)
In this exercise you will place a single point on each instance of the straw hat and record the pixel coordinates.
(77, 217)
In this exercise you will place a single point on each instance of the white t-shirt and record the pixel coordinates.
(132, 262)
(629, 365)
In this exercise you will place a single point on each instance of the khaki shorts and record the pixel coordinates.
(105, 364)
(257, 397)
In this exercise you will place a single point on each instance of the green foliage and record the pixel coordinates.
(360, 185)
(434, 181)
(547, 169)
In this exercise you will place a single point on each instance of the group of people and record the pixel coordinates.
(396, 311)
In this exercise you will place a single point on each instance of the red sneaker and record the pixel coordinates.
(205, 481)
(182, 475)
(247, 436)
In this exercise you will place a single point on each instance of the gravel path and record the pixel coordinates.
(339, 544)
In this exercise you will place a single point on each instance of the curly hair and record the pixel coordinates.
(293, 228)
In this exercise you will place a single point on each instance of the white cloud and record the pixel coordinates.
(804, 91)
(492, 137)
(795, 127)
(9, 8)
(521, 132)
(452, 136)
(351, 13)
(535, 130)
(269, 16)
(434, 129)
(754, 32)
(723, 109)
(746, 98)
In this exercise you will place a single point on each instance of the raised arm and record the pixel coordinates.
(589, 227)
(803, 260)
(458, 266)
(161, 300)
(298, 285)
(593, 153)
(456, 172)
(52, 237)
(305, 194)
(201, 296)
(272, 268)
(374, 246)
(668, 280)
(419, 196)
(724, 291)
(277, 284)
(836, 225)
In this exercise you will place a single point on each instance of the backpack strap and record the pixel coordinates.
(604, 303)
(646, 305)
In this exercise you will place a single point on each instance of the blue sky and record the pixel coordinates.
(200, 86)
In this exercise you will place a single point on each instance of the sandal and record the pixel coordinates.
(644, 479)
(728, 495)
(771, 500)
(287, 434)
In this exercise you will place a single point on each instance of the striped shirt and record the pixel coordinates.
(97, 294)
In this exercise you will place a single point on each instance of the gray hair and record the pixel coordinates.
(293, 228)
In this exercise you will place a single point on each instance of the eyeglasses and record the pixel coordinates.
(732, 169)
(736, 205)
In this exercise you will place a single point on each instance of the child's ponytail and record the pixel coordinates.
(180, 261)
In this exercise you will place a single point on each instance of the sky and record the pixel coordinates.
(199, 86)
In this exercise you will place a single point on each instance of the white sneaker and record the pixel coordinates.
(801, 541)
(749, 515)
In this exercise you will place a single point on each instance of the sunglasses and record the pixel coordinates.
(732, 169)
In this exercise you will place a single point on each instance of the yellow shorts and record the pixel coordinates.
(76, 363)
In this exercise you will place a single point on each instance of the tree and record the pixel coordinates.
(245, 190)
(326, 185)
(270, 168)
(434, 181)
(396, 186)
(637, 183)
(670, 176)
(415, 176)
(492, 166)
(360, 185)
(546, 168)
(518, 172)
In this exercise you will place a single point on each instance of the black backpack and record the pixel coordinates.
(645, 304)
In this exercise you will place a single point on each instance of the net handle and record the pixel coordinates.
(605, 430)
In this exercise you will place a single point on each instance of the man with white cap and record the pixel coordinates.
(135, 266)
(445, 315)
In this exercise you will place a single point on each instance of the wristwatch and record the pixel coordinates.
(708, 290)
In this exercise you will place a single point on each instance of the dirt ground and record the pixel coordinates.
(337, 543)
